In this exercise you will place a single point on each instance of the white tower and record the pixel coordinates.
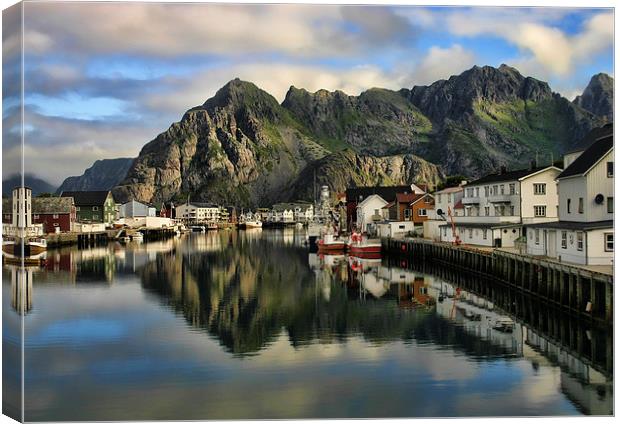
(22, 207)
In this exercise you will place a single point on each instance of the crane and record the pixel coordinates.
(457, 239)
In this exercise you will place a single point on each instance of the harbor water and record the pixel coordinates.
(248, 324)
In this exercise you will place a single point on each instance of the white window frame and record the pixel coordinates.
(486, 211)
(484, 234)
(36, 216)
(580, 241)
(606, 237)
(536, 236)
(610, 202)
(407, 213)
(580, 205)
(422, 212)
(55, 216)
(610, 174)
(540, 189)
(538, 208)
(95, 208)
(512, 188)
(564, 239)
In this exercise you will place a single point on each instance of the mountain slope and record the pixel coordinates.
(102, 175)
(242, 147)
(239, 147)
(598, 96)
(346, 168)
(37, 185)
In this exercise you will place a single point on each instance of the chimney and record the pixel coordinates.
(533, 164)
(463, 183)
(502, 169)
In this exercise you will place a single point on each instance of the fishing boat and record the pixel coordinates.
(330, 243)
(32, 245)
(197, 228)
(359, 245)
(253, 223)
(137, 236)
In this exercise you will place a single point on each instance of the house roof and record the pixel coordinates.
(507, 176)
(87, 198)
(44, 205)
(482, 225)
(203, 205)
(389, 205)
(372, 196)
(573, 225)
(589, 157)
(386, 192)
(422, 196)
(407, 197)
(458, 205)
(450, 190)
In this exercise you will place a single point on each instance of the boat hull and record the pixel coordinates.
(331, 247)
(30, 249)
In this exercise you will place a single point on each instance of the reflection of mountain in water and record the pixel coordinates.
(248, 290)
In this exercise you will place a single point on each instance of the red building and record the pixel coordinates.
(55, 213)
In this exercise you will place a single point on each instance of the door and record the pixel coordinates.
(551, 246)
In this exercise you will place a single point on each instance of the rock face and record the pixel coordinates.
(239, 147)
(102, 175)
(348, 169)
(242, 147)
(598, 97)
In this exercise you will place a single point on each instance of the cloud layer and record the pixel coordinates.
(102, 79)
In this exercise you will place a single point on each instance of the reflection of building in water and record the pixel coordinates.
(21, 288)
(584, 385)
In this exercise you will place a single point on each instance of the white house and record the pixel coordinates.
(447, 198)
(498, 205)
(584, 233)
(369, 211)
(198, 212)
(394, 228)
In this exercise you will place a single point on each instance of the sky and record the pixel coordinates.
(103, 79)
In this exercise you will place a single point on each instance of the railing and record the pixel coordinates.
(500, 198)
(471, 200)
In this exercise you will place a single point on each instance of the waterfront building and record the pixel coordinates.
(447, 198)
(56, 214)
(198, 212)
(292, 212)
(134, 209)
(369, 212)
(354, 196)
(167, 212)
(497, 206)
(584, 232)
(93, 206)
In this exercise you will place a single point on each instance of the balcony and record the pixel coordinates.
(500, 198)
(471, 200)
(507, 219)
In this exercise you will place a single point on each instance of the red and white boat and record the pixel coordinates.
(329, 243)
(359, 245)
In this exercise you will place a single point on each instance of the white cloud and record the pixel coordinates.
(441, 63)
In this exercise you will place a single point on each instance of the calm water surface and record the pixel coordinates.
(250, 325)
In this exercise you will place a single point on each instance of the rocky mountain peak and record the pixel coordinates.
(454, 98)
(598, 96)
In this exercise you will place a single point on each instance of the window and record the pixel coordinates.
(77, 208)
(581, 205)
(421, 212)
(610, 205)
(484, 234)
(512, 211)
(609, 242)
(486, 191)
(407, 214)
(537, 236)
(500, 210)
(401, 227)
(95, 208)
(540, 210)
(55, 216)
(7, 216)
(540, 188)
(494, 190)
(95, 217)
(568, 205)
(469, 232)
(36, 216)
(444, 231)
(511, 188)
(579, 240)
(427, 199)
(501, 189)
(486, 211)
(563, 239)
(439, 198)
(610, 169)
(477, 191)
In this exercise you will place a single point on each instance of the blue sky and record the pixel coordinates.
(102, 79)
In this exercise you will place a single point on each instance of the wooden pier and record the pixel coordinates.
(581, 291)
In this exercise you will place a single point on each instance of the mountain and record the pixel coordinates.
(243, 147)
(240, 147)
(37, 185)
(348, 169)
(598, 96)
(102, 175)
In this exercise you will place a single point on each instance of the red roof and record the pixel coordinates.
(407, 197)
(458, 205)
